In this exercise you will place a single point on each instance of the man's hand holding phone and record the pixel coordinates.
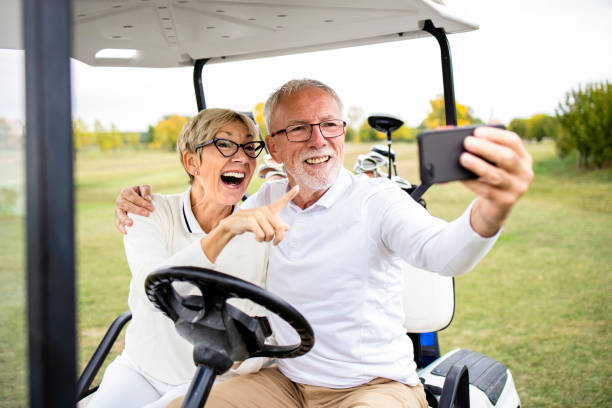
(490, 161)
(504, 169)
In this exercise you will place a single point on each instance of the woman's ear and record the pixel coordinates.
(191, 161)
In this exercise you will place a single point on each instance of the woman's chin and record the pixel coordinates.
(230, 195)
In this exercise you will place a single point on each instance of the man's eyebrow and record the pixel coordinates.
(297, 122)
(303, 122)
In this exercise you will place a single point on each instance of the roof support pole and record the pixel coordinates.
(197, 83)
(450, 108)
(447, 72)
(49, 189)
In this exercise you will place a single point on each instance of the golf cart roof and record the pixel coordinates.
(170, 33)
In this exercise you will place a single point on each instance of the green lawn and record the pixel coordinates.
(539, 302)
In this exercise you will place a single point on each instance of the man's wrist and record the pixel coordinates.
(482, 223)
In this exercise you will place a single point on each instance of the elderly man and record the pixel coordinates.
(340, 262)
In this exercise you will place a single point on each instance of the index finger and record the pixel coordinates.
(279, 204)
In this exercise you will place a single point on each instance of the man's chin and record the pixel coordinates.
(317, 182)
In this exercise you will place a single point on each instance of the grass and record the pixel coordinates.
(539, 302)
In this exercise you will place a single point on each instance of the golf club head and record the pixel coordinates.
(384, 151)
(385, 123)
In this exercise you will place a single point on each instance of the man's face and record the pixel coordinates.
(314, 164)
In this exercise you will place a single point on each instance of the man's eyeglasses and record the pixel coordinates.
(229, 148)
(303, 131)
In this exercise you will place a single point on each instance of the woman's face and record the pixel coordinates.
(225, 179)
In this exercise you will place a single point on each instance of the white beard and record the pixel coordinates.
(315, 180)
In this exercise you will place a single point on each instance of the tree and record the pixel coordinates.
(518, 126)
(405, 134)
(106, 139)
(167, 131)
(537, 127)
(367, 134)
(131, 139)
(146, 138)
(350, 134)
(540, 126)
(585, 116)
(259, 119)
(81, 136)
(354, 115)
(115, 136)
(437, 117)
(101, 138)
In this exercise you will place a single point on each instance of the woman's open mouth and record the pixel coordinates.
(232, 178)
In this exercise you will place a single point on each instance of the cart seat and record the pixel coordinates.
(429, 300)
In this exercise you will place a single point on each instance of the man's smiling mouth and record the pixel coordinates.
(317, 160)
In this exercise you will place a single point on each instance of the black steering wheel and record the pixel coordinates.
(220, 332)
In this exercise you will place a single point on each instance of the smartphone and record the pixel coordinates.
(439, 152)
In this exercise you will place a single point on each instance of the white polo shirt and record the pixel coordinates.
(339, 266)
(171, 236)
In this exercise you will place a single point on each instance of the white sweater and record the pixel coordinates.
(170, 236)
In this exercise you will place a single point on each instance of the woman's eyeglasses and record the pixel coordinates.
(229, 148)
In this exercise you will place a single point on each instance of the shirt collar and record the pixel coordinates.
(190, 223)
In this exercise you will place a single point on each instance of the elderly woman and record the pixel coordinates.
(199, 227)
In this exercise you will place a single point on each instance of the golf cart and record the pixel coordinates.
(171, 33)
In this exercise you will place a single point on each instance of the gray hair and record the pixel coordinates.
(205, 125)
(290, 88)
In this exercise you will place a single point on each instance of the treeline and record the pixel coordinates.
(362, 132)
(161, 136)
(582, 124)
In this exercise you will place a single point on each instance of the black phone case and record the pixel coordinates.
(439, 152)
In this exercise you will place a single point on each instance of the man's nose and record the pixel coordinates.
(317, 139)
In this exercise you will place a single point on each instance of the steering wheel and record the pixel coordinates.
(220, 332)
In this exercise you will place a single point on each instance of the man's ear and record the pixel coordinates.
(191, 162)
(273, 148)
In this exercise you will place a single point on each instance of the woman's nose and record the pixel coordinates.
(240, 156)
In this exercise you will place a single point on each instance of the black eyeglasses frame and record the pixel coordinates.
(311, 125)
(214, 141)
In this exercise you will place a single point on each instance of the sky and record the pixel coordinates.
(524, 58)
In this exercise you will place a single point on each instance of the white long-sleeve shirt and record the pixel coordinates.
(171, 236)
(339, 265)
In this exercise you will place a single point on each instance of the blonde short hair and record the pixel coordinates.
(290, 88)
(205, 125)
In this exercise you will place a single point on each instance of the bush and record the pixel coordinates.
(586, 119)
(537, 127)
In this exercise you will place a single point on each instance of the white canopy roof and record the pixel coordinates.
(168, 33)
